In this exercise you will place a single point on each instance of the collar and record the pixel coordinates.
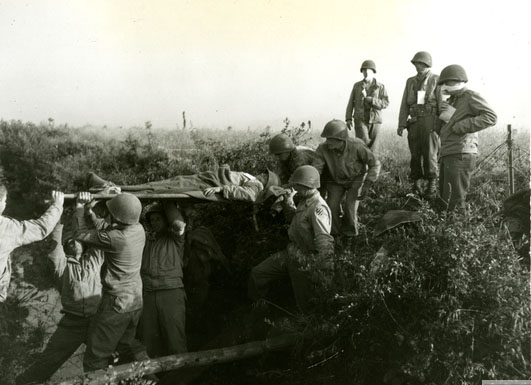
(312, 198)
(423, 76)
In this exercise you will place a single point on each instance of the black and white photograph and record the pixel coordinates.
(255, 192)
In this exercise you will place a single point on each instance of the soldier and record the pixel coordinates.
(367, 99)
(114, 325)
(77, 270)
(289, 156)
(353, 169)
(309, 235)
(162, 325)
(468, 113)
(15, 233)
(418, 114)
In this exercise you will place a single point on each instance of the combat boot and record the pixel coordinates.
(432, 188)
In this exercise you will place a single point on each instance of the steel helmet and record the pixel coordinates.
(126, 208)
(336, 129)
(307, 176)
(453, 72)
(152, 208)
(422, 57)
(368, 64)
(280, 143)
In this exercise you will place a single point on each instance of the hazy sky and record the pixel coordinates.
(247, 63)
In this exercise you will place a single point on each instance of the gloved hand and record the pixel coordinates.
(367, 185)
(400, 131)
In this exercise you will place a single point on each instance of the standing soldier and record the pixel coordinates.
(418, 114)
(289, 156)
(77, 270)
(15, 233)
(162, 325)
(114, 325)
(367, 99)
(469, 113)
(309, 235)
(353, 169)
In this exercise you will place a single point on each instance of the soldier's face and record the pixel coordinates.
(3, 204)
(420, 67)
(334, 144)
(302, 191)
(283, 156)
(158, 222)
(367, 73)
(73, 248)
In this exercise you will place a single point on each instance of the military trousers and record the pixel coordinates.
(454, 181)
(424, 145)
(71, 332)
(162, 325)
(335, 195)
(112, 331)
(276, 267)
(369, 133)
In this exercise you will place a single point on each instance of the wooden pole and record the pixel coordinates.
(510, 152)
(113, 375)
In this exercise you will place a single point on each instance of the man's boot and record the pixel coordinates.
(432, 188)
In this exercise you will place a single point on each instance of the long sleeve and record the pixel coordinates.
(57, 256)
(319, 160)
(382, 101)
(367, 157)
(247, 192)
(321, 220)
(350, 106)
(483, 116)
(96, 238)
(33, 230)
(404, 108)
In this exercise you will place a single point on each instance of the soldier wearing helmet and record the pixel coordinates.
(418, 114)
(289, 156)
(121, 305)
(162, 324)
(310, 239)
(367, 99)
(465, 114)
(352, 167)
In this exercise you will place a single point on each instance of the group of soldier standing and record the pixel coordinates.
(122, 283)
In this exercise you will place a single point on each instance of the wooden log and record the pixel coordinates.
(179, 361)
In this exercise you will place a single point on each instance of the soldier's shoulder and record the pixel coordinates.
(320, 208)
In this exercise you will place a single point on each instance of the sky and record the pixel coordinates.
(247, 63)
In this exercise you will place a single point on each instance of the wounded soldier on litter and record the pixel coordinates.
(232, 185)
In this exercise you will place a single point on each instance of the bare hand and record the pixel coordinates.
(212, 190)
(400, 131)
(58, 198)
(83, 198)
(349, 124)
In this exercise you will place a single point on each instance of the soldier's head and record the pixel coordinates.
(73, 248)
(422, 62)
(3, 198)
(336, 134)
(156, 218)
(305, 180)
(281, 146)
(452, 79)
(368, 69)
(125, 208)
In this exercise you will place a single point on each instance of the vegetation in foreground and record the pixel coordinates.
(449, 305)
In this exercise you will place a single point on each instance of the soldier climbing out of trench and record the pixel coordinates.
(310, 239)
(77, 272)
(15, 233)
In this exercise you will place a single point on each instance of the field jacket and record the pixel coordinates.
(300, 156)
(345, 166)
(364, 111)
(122, 246)
(162, 261)
(472, 114)
(409, 106)
(15, 233)
(79, 280)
